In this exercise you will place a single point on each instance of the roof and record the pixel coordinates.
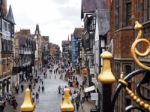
(90, 6)
(78, 32)
(101, 9)
(10, 16)
(37, 29)
(103, 21)
(64, 42)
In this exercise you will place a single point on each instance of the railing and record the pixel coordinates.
(139, 100)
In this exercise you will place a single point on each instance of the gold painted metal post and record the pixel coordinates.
(107, 79)
(66, 105)
(28, 105)
(106, 76)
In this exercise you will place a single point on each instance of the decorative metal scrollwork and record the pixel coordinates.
(137, 99)
(140, 99)
(135, 53)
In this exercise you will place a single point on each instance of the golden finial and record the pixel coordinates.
(121, 75)
(138, 26)
(66, 105)
(106, 76)
(27, 105)
(121, 80)
(134, 51)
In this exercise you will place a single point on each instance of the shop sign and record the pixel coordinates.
(91, 70)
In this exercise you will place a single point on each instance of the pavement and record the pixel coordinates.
(87, 105)
(50, 100)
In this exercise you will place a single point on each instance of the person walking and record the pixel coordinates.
(59, 89)
(43, 89)
(39, 89)
(22, 87)
(77, 101)
(2, 104)
(33, 97)
(37, 97)
(42, 82)
(14, 103)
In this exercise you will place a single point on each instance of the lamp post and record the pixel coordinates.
(28, 105)
(66, 105)
(107, 79)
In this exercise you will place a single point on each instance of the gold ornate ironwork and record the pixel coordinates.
(134, 97)
(135, 53)
(28, 105)
(106, 76)
(66, 105)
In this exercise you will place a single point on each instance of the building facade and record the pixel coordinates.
(54, 51)
(24, 56)
(38, 52)
(75, 48)
(121, 36)
(66, 51)
(6, 47)
(45, 51)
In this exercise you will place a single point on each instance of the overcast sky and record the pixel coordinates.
(56, 18)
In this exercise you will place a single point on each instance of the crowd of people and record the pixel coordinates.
(78, 97)
(36, 85)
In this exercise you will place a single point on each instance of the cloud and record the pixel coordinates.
(56, 18)
(60, 1)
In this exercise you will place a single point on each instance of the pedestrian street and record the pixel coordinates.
(50, 100)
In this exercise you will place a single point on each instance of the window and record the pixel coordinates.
(92, 24)
(128, 12)
(5, 26)
(127, 69)
(117, 14)
(9, 27)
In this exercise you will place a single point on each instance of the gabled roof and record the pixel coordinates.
(78, 32)
(10, 16)
(101, 9)
(103, 21)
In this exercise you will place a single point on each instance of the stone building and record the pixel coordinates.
(6, 46)
(38, 52)
(45, 51)
(24, 56)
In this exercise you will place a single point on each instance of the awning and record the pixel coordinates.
(88, 89)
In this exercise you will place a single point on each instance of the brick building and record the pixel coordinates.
(54, 52)
(120, 38)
